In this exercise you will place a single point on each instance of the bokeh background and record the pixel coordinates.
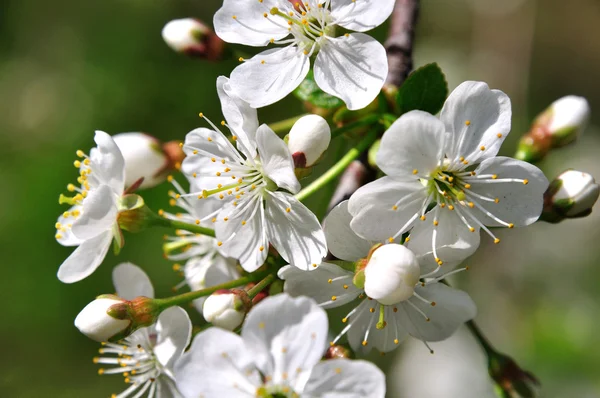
(69, 67)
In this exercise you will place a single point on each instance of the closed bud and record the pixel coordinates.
(309, 138)
(560, 124)
(227, 308)
(565, 119)
(391, 274)
(190, 36)
(95, 322)
(110, 318)
(571, 195)
(147, 158)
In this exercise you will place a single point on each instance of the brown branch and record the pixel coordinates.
(399, 47)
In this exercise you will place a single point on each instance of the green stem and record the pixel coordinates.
(191, 296)
(187, 227)
(371, 119)
(478, 334)
(339, 167)
(283, 126)
(260, 286)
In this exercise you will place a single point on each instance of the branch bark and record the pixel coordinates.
(399, 47)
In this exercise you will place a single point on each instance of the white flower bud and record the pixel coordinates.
(577, 193)
(144, 157)
(95, 322)
(567, 117)
(308, 139)
(226, 308)
(190, 36)
(391, 274)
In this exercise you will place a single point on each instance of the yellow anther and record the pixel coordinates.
(496, 241)
(288, 210)
(482, 148)
(471, 204)
(333, 298)
(234, 137)
(471, 229)
(494, 176)
(511, 225)
(234, 16)
(496, 200)
(345, 286)
(394, 207)
(194, 175)
(525, 182)
(329, 280)
(450, 207)
(197, 222)
(499, 135)
(209, 139)
(371, 309)
(226, 219)
(435, 223)
(261, 248)
(266, 15)
(77, 163)
(364, 343)
(58, 236)
(218, 173)
(462, 158)
(344, 320)
(467, 186)
(201, 114)
(423, 218)
(80, 153)
(468, 122)
(415, 171)
(241, 59)
(314, 265)
(391, 240)
(396, 341)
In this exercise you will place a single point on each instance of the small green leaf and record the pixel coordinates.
(425, 89)
(309, 91)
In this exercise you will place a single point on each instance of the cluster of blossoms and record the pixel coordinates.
(245, 234)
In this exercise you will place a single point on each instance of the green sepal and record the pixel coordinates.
(425, 89)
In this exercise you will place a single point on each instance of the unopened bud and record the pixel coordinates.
(110, 318)
(570, 195)
(560, 124)
(227, 308)
(339, 352)
(190, 36)
(391, 274)
(309, 138)
(513, 381)
(565, 119)
(147, 158)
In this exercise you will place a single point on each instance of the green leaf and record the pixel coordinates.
(425, 89)
(309, 91)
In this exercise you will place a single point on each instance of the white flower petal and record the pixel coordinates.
(337, 378)
(342, 241)
(108, 163)
(285, 334)
(363, 327)
(165, 387)
(217, 364)
(250, 26)
(316, 284)
(452, 308)
(276, 159)
(412, 146)
(519, 203)
(85, 259)
(264, 83)
(144, 158)
(98, 213)
(244, 234)
(454, 241)
(131, 281)
(174, 330)
(352, 67)
(372, 207)
(205, 142)
(296, 234)
(476, 117)
(241, 119)
(361, 15)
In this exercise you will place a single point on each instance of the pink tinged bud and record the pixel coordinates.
(190, 36)
(226, 308)
(309, 138)
(95, 322)
(144, 158)
(391, 274)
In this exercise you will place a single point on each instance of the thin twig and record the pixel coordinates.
(399, 46)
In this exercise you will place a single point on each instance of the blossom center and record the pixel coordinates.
(275, 392)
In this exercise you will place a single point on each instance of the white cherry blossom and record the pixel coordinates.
(278, 354)
(444, 179)
(254, 211)
(91, 222)
(397, 297)
(147, 357)
(352, 66)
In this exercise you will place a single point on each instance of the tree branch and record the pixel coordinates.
(399, 47)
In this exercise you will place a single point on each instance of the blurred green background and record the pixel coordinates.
(69, 67)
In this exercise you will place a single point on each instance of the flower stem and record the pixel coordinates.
(188, 297)
(260, 286)
(283, 126)
(187, 227)
(478, 334)
(339, 167)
